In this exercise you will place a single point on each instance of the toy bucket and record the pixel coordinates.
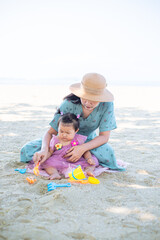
(77, 174)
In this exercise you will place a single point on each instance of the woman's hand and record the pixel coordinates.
(74, 153)
(41, 156)
(44, 153)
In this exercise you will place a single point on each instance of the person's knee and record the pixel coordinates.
(28, 150)
(23, 156)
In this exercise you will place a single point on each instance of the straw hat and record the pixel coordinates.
(92, 87)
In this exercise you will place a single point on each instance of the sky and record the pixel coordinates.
(64, 39)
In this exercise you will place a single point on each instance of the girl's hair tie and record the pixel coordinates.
(78, 116)
(61, 113)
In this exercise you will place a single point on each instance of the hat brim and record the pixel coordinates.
(106, 96)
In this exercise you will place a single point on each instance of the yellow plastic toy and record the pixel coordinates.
(93, 180)
(77, 174)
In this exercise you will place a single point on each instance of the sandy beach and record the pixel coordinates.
(124, 206)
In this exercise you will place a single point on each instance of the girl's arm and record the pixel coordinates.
(76, 152)
(44, 153)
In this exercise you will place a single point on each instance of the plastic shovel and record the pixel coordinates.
(52, 186)
(22, 171)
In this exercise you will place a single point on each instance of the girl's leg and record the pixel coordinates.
(53, 173)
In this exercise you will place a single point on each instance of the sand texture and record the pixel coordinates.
(123, 206)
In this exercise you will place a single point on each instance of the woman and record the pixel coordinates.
(94, 104)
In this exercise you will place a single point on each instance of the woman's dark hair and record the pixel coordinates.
(73, 98)
(69, 118)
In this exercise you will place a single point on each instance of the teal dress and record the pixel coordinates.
(102, 118)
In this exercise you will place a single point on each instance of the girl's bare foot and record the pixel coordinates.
(90, 174)
(54, 176)
(89, 171)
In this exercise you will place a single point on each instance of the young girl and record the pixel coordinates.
(56, 164)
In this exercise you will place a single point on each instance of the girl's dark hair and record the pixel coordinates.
(73, 98)
(69, 118)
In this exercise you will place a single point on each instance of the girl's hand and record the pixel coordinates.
(41, 156)
(91, 161)
(74, 153)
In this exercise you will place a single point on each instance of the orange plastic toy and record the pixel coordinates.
(31, 180)
(36, 170)
(78, 181)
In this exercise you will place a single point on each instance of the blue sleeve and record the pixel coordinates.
(65, 107)
(108, 121)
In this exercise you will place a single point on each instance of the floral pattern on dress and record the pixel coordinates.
(58, 146)
(74, 143)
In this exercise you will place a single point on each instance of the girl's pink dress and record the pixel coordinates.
(60, 163)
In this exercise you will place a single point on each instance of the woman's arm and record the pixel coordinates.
(47, 137)
(76, 152)
(43, 154)
(97, 141)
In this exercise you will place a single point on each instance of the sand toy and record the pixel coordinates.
(93, 180)
(77, 174)
(51, 186)
(31, 180)
(22, 171)
(36, 170)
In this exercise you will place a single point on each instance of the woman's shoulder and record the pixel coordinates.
(68, 106)
(105, 105)
(67, 103)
